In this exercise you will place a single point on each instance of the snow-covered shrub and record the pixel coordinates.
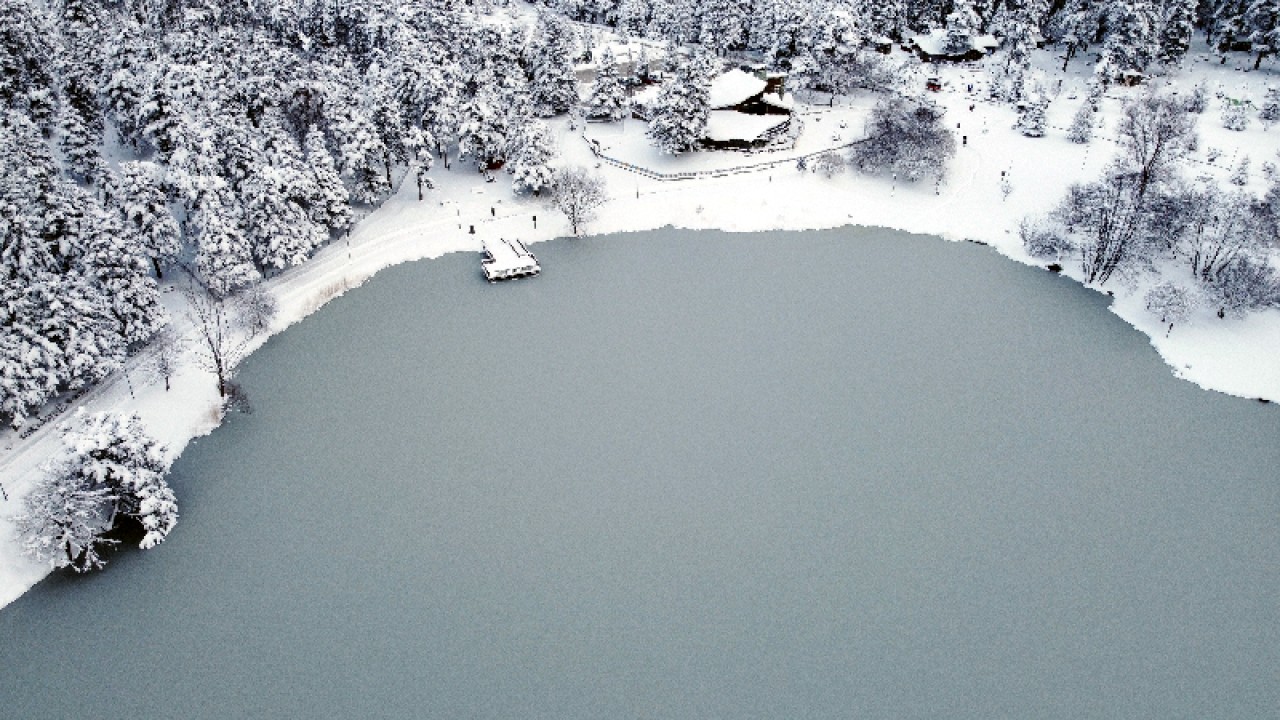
(1170, 302)
(1234, 117)
(906, 138)
(1246, 284)
(1044, 240)
(1212, 154)
(1198, 101)
(829, 163)
(110, 468)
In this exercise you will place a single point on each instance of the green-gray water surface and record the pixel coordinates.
(845, 474)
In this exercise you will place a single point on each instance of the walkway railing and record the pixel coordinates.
(713, 173)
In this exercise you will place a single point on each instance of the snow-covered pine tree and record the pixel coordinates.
(1081, 128)
(29, 359)
(1009, 78)
(280, 228)
(1226, 23)
(1262, 22)
(484, 126)
(724, 25)
(887, 18)
(633, 17)
(330, 203)
(1031, 120)
(1270, 112)
(363, 155)
(138, 194)
(674, 21)
(1131, 42)
(963, 24)
(533, 148)
(1240, 175)
(553, 85)
(679, 117)
(608, 95)
(117, 260)
(1177, 23)
(28, 46)
(1079, 23)
(224, 255)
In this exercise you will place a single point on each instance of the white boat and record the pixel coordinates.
(506, 259)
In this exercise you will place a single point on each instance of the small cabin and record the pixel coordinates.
(507, 259)
(932, 47)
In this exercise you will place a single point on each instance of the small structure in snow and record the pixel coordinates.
(1131, 78)
(507, 259)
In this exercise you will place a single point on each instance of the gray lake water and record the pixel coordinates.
(694, 475)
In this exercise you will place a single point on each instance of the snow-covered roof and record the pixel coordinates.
(729, 125)
(733, 87)
(935, 42)
(787, 102)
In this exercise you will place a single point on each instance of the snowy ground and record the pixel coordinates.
(1232, 356)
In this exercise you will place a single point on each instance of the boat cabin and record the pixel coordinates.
(506, 259)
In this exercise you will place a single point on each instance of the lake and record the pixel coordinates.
(836, 474)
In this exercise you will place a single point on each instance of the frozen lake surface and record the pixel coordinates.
(693, 475)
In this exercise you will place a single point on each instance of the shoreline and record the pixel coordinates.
(1223, 356)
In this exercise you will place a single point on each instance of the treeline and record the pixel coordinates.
(1131, 34)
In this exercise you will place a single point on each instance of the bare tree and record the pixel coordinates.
(163, 364)
(1155, 133)
(257, 309)
(578, 194)
(1171, 302)
(219, 342)
(1107, 216)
